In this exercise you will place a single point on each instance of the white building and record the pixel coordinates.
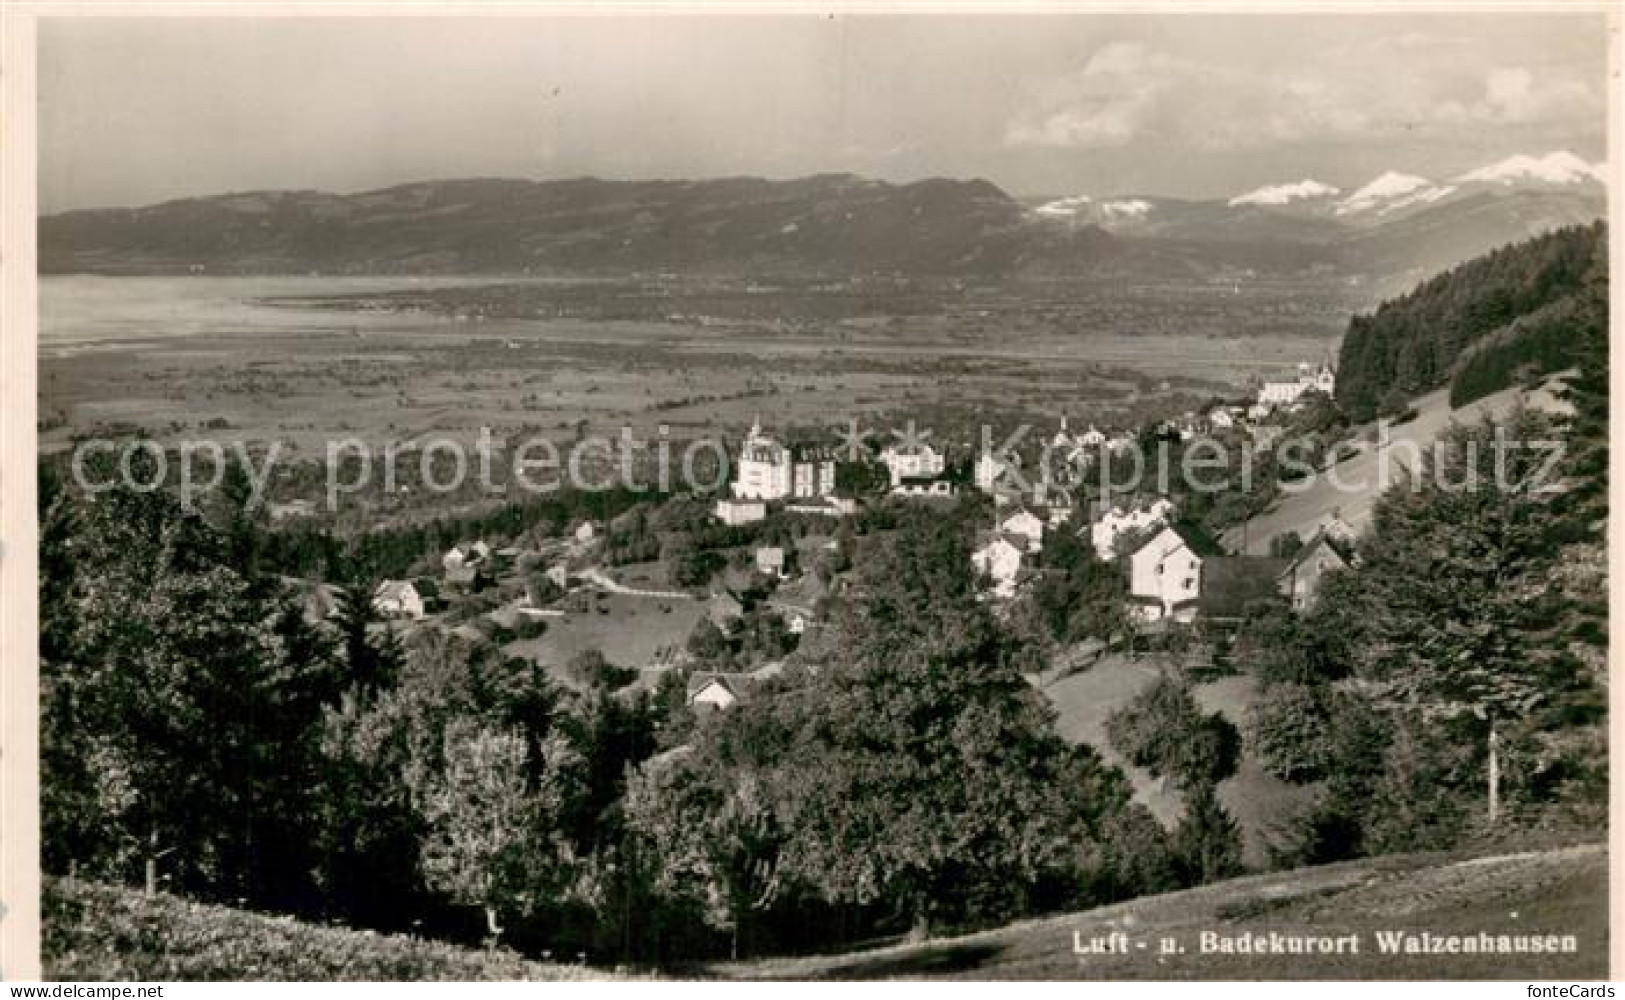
(1027, 525)
(770, 470)
(915, 461)
(1221, 418)
(1091, 438)
(1322, 554)
(734, 512)
(764, 467)
(827, 506)
(1287, 392)
(770, 561)
(1165, 577)
(398, 599)
(1000, 561)
(1113, 524)
(989, 469)
(711, 691)
(812, 473)
(464, 554)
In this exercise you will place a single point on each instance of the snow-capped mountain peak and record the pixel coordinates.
(1561, 168)
(1130, 207)
(1281, 194)
(1064, 208)
(1081, 207)
(1392, 191)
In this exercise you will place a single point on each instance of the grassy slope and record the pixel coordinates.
(1368, 471)
(1260, 802)
(96, 932)
(1561, 891)
(101, 932)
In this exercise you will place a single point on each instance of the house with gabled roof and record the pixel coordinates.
(713, 690)
(1165, 573)
(1113, 524)
(398, 599)
(723, 608)
(1325, 552)
(1027, 525)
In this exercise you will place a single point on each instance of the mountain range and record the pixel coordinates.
(1393, 229)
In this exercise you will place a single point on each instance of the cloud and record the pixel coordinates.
(1420, 86)
(1109, 102)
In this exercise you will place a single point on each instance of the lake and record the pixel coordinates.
(81, 312)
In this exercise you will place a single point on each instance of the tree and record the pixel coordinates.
(591, 670)
(1456, 609)
(1290, 732)
(717, 840)
(708, 645)
(203, 691)
(688, 564)
(1075, 595)
(1207, 842)
(371, 649)
(1163, 730)
(486, 824)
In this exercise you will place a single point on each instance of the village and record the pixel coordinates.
(609, 591)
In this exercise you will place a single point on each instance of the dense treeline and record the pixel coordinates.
(1413, 343)
(316, 551)
(1547, 340)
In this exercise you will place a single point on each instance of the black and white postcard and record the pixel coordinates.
(807, 493)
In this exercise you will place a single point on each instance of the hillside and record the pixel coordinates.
(828, 224)
(101, 932)
(1361, 476)
(1414, 343)
(1563, 891)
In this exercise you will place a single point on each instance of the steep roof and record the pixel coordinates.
(1340, 547)
(391, 590)
(1015, 541)
(702, 679)
(1197, 540)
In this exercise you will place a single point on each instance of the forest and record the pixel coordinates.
(1523, 308)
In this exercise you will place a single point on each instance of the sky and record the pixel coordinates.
(139, 110)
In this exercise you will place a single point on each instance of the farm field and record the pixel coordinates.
(211, 358)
